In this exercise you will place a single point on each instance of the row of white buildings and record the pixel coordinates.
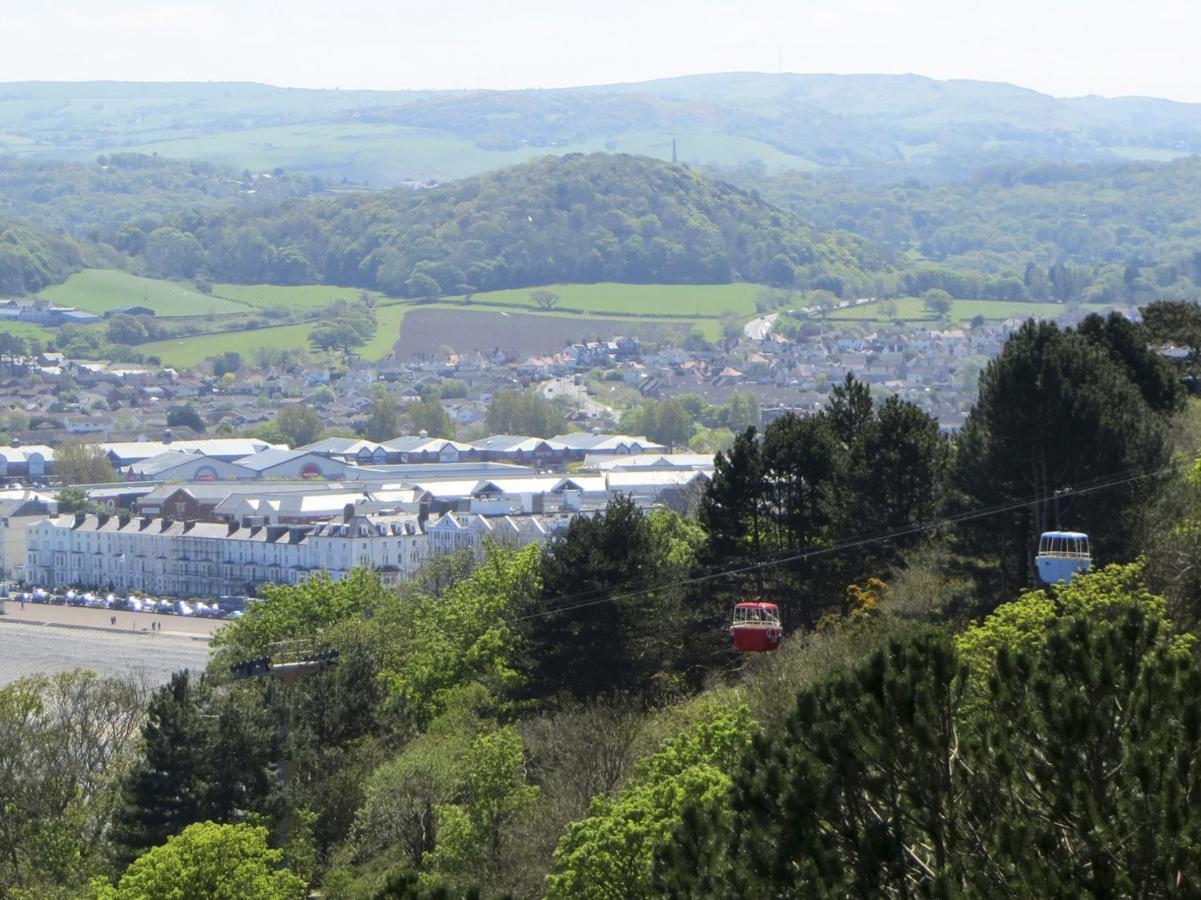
(164, 557)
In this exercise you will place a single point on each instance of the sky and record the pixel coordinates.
(1060, 47)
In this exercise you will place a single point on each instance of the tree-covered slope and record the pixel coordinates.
(558, 219)
(31, 258)
(86, 199)
(1132, 228)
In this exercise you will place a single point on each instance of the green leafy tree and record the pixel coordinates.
(75, 499)
(430, 416)
(126, 329)
(524, 412)
(226, 363)
(64, 741)
(437, 643)
(665, 422)
(495, 795)
(77, 462)
(299, 424)
(611, 853)
(185, 416)
(544, 299)
(423, 286)
(938, 302)
(1176, 322)
(384, 422)
(207, 861)
(171, 253)
(344, 326)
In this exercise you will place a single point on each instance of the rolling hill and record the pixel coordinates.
(570, 219)
(879, 127)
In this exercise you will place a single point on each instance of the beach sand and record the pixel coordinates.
(47, 639)
(82, 617)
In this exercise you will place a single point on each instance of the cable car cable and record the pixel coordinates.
(565, 601)
(1098, 484)
(561, 603)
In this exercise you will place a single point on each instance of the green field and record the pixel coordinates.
(376, 153)
(96, 290)
(686, 305)
(187, 352)
(183, 353)
(26, 330)
(671, 300)
(307, 296)
(387, 330)
(910, 309)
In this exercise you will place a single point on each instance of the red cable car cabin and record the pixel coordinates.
(756, 627)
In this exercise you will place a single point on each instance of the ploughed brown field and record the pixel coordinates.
(466, 331)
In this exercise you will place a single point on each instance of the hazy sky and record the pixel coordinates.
(1062, 47)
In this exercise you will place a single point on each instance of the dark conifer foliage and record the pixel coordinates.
(608, 645)
(1077, 778)
(1057, 410)
(853, 470)
(163, 793)
(206, 756)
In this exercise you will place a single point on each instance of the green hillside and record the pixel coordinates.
(97, 290)
(572, 219)
(873, 125)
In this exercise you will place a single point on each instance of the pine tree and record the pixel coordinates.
(163, 793)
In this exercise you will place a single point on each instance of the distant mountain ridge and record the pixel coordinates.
(874, 127)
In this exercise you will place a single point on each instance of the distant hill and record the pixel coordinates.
(85, 198)
(574, 218)
(876, 127)
(1085, 214)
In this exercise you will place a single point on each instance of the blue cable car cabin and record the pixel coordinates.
(1061, 554)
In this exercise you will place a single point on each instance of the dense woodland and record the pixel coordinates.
(1068, 233)
(569, 219)
(569, 721)
(32, 258)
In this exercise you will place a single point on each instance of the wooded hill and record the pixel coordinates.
(878, 127)
(86, 199)
(1129, 231)
(555, 220)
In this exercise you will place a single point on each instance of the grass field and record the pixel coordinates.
(383, 153)
(183, 353)
(26, 330)
(909, 309)
(96, 290)
(674, 300)
(308, 296)
(592, 326)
